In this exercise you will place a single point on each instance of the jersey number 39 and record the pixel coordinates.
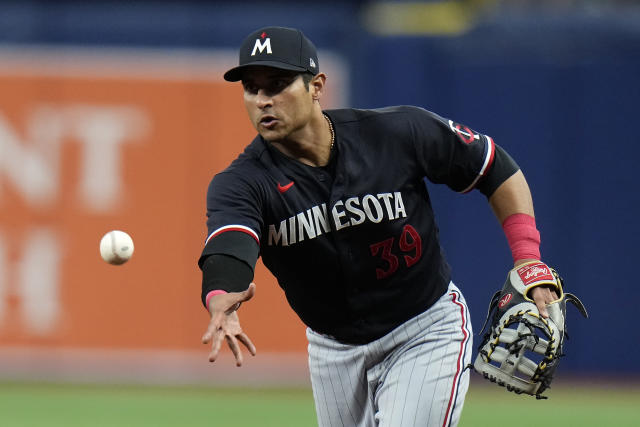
(409, 244)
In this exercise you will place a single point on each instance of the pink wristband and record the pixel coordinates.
(522, 236)
(213, 294)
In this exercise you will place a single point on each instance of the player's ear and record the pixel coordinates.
(316, 86)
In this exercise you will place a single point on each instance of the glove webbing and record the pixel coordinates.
(514, 347)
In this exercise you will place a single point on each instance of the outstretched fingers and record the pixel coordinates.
(214, 335)
(234, 344)
(244, 339)
(216, 345)
(208, 334)
(224, 325)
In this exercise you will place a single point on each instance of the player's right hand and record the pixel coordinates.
(225, 324)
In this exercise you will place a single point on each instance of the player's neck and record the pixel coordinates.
(310, 144)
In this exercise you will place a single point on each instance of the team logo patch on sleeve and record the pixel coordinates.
(464, 133)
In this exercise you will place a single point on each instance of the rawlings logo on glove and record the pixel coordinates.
(536, 273)
(521, 349)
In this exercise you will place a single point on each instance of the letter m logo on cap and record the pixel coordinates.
(260, 46)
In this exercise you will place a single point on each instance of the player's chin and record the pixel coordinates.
(270, 134)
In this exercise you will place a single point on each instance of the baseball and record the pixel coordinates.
(116, 247)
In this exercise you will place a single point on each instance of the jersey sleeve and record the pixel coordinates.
(449, 152)
(233, 204)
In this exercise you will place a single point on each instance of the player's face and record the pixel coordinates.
(277, 101)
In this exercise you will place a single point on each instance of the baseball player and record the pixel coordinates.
(335, 203)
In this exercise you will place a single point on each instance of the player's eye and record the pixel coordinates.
(250, 88)
(277, 86)
(282, 83)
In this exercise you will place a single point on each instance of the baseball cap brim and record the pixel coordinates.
(235, 74)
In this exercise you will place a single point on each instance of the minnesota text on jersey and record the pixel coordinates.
(351, 212)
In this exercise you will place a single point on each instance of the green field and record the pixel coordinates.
(52, 405)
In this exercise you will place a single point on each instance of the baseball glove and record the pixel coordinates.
(521, 349)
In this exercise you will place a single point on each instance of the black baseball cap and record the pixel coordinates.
(277, 47)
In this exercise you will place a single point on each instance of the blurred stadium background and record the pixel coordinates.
(114, 115)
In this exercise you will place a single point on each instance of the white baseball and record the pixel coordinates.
(116, 247)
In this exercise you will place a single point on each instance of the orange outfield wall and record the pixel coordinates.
(82, 155)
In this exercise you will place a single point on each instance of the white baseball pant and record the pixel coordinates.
(413, 376)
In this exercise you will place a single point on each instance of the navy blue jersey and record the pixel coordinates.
(353, 245)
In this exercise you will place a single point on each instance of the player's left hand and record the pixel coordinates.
(543, 295)
(524, 341)
(225, 324)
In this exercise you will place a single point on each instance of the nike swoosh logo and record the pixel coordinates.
(284, 188)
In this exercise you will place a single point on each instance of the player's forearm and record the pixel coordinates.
(222, 274)
(513, 206)
(227, 262)
(512, 197)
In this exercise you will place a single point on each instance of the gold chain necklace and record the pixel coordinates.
(333, 135)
